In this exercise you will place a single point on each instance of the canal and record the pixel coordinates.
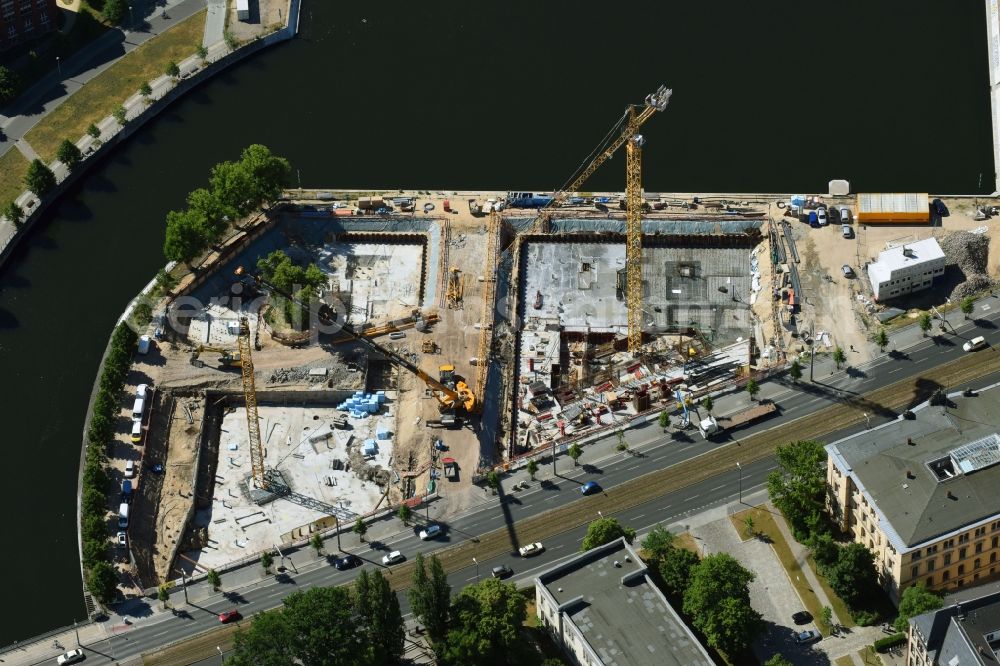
(891, 96)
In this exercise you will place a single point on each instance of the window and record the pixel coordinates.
(963, 538)
(961, 569)
(979, 547)
(947, 559)
(945, 575)
(993, 558)
(962, 553)
(27, 24)
(915, 556)
(950, 543)
(980, 531)
(993, 542)
(976, 563)
(914, 572)
(930, 565)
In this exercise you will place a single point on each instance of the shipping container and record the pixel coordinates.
(894, 207)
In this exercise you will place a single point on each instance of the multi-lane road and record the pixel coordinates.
(656, 452)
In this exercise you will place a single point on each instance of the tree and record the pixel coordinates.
(94, 131)
(664, 420)
(322, 622)
(217, 214)
(114, 10)
(749, 528)
(270, 641)
(658, 543)
(778, 659)
(574, 451)
(9, 85)
(269, 174)
(532, 468)
(916, 600)
(824, 550)
(233, 186)
(795, 372)
(186, 236)
(622, 442)
(753, 388)
(606, 530)
(360, 528)
(430, 597)
(493, 481)
(925, 322)
(404, 513)
(708, 404)
(798, 486)
(202, 52)
(145, 90)
(69, 154)
(39, 179)
(486, 624)
(172, 70)
(214, 579)
(163, 594)
(838, 357)
(120, 115)
(882, 339)
(13, 212)
(853, 575)
(378, 608)
(826, 617)
(102, 581)
(316, 541)
(968, 305)
(266, 560)
(718, 602)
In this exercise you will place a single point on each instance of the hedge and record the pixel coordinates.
(889, 642)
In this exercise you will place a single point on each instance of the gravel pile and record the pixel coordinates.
(969, 252)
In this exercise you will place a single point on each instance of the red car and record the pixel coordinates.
(229, 616)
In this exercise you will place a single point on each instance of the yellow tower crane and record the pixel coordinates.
(628, 135)
(250, 398)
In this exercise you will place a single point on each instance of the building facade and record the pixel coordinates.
(905, 269)
(920, 493)
(21, 20)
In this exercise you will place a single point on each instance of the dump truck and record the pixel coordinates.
(450, 469)
(712, 426)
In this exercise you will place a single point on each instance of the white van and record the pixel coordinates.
(140, 391)
(123, 516)
(138, 408)
(143, 344)
(975, 343)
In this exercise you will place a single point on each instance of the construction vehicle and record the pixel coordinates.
(712, 426)
(685, 422)
(227, 357)
(429, 347)
(450, 469)
(453, 395)
(454, 293)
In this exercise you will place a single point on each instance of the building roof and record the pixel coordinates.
(908, 254)
(932, 475)
(625, 619)
(958, 634)
(892, 202)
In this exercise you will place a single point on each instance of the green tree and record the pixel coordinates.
(69, 154)
(718, 602)
(102, 581)
(778, 659)
(968, 305)
(145, 90)
(94, 551)
(13, 213)
(659, 543)
(202, 52)
(271, 641)
(322, 622)
(10, 85)
(163, 594)
(795, 372)
(142, 314)
(378, 608)
(266, 560)
(120, 115)
(114, 10)
(925, 322)
(664, 420)
(404, 513)
(360, 528)
(233, 186)
(853, 575)
(486, 625)
(574, 451)
(882, 339)
(798, 486)
(839, 357)
(824, 550)
(39, 179)
(493, 481)
(532, 468)
(172, 70)
(269, 174)
(216, 213)
(826, 617)
(94, 131)
(186, 236)
(749, 528)
(708, 404)
(606, 530)
(165, 281)
(753, 388)
(916, 600)
(430, 597)
(622, 441)
(316, 541)
(214, 579)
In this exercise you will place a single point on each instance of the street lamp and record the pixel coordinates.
(131, 17)
(740, 468)
(600, 514)
(477, 568)
(59, 66)
(868, 421)
(219, 650)
(185, 586)
(337, 522)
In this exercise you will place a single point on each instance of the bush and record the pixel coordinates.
(889, 642)
(866, 618)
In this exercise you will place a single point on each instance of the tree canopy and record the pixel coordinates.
(381, 619)
(39, 179)
(916, 600)
(10, 85)
(430, 596)
(486, 625)
(69, 154)
(606, 530)
(676, 568)
(798, 486)
(659, 542)
(853, 575)
(718, 602)
(187, 235)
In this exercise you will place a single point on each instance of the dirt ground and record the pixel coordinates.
(263, 13)
(177, 491)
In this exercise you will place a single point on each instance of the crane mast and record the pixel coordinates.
(250, 399)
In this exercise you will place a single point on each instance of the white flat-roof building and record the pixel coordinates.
(905, 269)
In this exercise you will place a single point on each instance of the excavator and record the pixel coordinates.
(227, 357)
(453, 395)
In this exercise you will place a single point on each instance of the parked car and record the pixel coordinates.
(502, 571)
(807, 636)
(845, 215)
(129, 469)
(392, 558)
(71, 657)
(939, 208)
(347, 562)
(813, 219)
(229, 616)
(847, 271)
(531, 549)
(846, 231)
(590, 487)
(121, 540)
(802, 617)
(429, 533)
(975, 343)
(821, 217)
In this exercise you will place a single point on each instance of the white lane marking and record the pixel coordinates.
(896, 370)
(718, 487)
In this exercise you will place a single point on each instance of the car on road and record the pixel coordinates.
(590, 487)
(821, 217)
(807, 636)
(121, 540)
(501, 571)
(129, 469)
(531, 549)
(846, 231)
(347, 562)
(229, 616)
(802, 617)
(430, 532)
(392, 558)
(71, 657)
(975, 343)
(847, 271)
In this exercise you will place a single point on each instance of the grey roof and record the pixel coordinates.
(958, 634)
(624, 618)
(912, 470)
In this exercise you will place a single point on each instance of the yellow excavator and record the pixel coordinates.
(227, 357)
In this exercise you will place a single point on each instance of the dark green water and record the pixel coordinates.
(890, 95)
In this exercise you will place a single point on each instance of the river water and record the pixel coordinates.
(890, 95)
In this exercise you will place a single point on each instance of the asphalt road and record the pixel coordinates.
(657, 451)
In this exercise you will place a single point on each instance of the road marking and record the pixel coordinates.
(718, 487)
(629, 469)
(639, 516)
(896, 370)
(688, 499)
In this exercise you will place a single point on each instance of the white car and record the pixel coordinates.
(531, 549)
(431, 532)
(975, 343)
(129, 469)
(71, 657)
(392, 558)
(821, 217)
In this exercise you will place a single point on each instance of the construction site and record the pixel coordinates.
(449, 334)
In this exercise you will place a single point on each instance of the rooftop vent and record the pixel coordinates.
(907, 252)
(909, 441)
(909, 474)
(951, 496)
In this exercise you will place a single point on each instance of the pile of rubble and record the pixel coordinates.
(969, 252)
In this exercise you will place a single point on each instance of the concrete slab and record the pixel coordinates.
(378, 280)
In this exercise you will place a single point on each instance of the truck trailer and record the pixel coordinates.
(712, 426)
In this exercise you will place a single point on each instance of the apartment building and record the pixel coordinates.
(21, 20)
(907, 268)
(921, 493)
(962, 633)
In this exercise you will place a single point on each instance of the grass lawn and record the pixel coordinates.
(868, 656)
(103, 94)
(844, 661)
(687, 542)
(14, 167)
(838, 606)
